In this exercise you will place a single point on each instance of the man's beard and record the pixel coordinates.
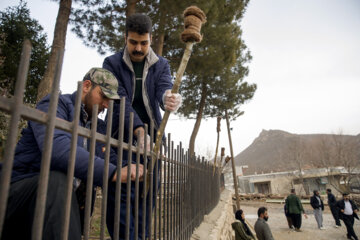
(266, 218)
(88, 106)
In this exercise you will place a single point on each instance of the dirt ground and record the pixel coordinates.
(281, 231)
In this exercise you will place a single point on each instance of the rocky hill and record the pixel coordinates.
(276, 150)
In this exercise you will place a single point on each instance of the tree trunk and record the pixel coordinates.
(159, 44)
(58, 45)
(198, 121)
(160, 34)
(130, 7)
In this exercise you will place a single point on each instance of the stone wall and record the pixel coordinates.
(217, 224)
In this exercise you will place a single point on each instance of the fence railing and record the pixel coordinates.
(182, 189)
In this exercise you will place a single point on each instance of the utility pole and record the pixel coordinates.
(233, 163)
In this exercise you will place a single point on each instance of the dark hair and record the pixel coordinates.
(139, 23)
(345, 194)
(238, 214)
(329, 190)
(292, 190)
(315, 192)
(261, 210)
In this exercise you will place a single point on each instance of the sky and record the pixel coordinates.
(306, 64)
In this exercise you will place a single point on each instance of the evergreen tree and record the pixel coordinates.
(15, 26)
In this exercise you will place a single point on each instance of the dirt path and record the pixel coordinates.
(281, 231)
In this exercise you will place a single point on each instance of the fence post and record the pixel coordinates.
(12, 134)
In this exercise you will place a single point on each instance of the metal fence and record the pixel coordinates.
(186, 187)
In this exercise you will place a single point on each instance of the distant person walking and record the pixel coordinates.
(294, 208)
(242, 231)
(288, 218)
(348, 210)
(333, 208)
(262, 229)
(318, 206)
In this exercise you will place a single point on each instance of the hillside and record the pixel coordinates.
(276, 150)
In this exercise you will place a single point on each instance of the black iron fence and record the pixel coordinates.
(185, 188)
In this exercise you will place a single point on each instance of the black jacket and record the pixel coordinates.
(315, 203)
(331, 200)
(341, 206)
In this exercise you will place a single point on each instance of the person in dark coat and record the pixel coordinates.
(242, 231)
(294, 208)
(318, 206)
(145, 81)
(348, 211)
(288, 218)
(333, 208)
(99, 85)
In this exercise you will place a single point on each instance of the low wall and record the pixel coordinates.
(217, 224)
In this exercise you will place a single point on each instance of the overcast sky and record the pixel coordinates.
(306, 64)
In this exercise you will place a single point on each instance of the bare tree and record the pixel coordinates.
(340, 151)
(296, 155)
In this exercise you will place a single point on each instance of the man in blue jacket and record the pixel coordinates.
(145, 80)
(99, 85)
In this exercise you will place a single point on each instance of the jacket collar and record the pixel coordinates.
(151, 58)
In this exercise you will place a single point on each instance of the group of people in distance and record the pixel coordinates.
(137, 74)
(344, 209)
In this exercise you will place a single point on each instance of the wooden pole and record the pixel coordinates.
(233, 163)
(217, 142)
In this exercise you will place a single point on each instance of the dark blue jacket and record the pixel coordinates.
(28, 151)
(156, 80)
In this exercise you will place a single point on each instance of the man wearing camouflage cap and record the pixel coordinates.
(99, 86)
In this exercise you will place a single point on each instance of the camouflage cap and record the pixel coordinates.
(105, 79)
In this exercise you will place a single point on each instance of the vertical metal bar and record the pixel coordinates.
(90, 173)
(128, 182)
(168, 188)
(106, 170)
(173, 155)
(177, 191)
(144, 210)
(136, 195)
(164, 194)
(71, 164)
(118, 170)
(233, 163)
(181, 195)
(151, 174)
(160, 190)
(13, 130)
(37, 227)
(156, 167)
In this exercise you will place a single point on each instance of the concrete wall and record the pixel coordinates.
(217, 224)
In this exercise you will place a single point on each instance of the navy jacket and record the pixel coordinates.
(156, 80)
(28, 151)
(331, 200)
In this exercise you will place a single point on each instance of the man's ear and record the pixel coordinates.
(86, 86)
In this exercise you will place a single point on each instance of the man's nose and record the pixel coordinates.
(138, 47)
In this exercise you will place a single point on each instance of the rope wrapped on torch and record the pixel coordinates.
(194, 17)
